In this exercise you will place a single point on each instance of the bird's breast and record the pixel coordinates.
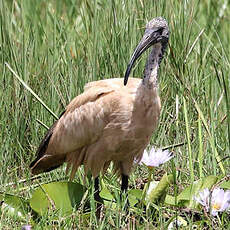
(131, 128)
(146, 112)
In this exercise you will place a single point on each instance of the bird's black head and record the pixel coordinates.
(156, 31)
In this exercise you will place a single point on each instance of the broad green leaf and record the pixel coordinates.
(159, 192)
(170, 200)
(14, 205)
(209, 181)
(136, 193)
(134, 196)
(39, 201)
(189, 192)
(105, 194)
(108, 199)
(185, 198)
(225, 185)
(58, 196)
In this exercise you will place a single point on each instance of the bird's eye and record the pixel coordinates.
(160, 30)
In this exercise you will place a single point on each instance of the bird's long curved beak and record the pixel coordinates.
(149, 38)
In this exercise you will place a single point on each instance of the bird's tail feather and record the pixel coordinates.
(45, 162)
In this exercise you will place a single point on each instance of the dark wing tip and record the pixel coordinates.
(44, 144)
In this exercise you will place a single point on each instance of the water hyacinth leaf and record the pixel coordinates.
(106, 194)
(186, 195)
(225, 185)
(39, 202)
(170, 200)
(209, 181)
(136, 192)
(185, 198)
(14, 205)
(61, 197)
(159, 192)
(107, 197)
(134, 196)
(132, 200)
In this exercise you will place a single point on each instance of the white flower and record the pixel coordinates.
(155, 157)
(26, 227)
(203, 198)
(219, 199)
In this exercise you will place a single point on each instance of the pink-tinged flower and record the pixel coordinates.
(155, 158)
(219, 199)
(203, 198)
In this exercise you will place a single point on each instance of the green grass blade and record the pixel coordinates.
(201, 154)
(32, 92)
(211, 139)
(188, 141)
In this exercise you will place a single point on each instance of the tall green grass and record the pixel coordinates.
(55, 47)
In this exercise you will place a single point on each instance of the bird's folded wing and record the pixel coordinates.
(81, 124)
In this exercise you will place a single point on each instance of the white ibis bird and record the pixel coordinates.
(111, 121)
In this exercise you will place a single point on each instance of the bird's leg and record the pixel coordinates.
(124, 183)
(124, 187)
(97, 197)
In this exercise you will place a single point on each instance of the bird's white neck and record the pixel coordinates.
(152, 65)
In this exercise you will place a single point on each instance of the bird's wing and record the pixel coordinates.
(84, 119)
(114, 83)
(81, 124)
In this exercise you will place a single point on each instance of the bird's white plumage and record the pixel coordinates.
(108, 122)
